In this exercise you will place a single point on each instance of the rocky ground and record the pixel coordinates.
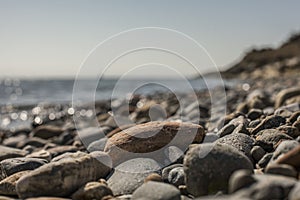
(160, 149)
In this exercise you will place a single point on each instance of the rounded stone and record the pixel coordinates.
(269, 123)
(14, 165)
(254, 114)
(226, 130)
(153, 177)
(92, 190)
(263, 162)
(151, 139)
(272, 136)
(47, 131)
(166, 171)
(208, 167)
(285, 94)
(129, 175)
(176, 176)
(281, 169)
(240, 141)
(289, 130)
(257, 153)
(97, 145)
(240, 179)
(156, 190)
(63, 177)
(291, 158)
(283, 148)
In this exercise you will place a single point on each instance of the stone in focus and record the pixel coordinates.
(128, 176)
(208, 167)
(148, 140)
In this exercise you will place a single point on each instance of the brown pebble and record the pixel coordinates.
(153, 177)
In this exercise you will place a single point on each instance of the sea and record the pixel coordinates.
(29, 92)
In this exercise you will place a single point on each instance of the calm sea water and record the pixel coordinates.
(23, 92)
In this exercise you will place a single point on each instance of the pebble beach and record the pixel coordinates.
(244, 145)
(250, 153)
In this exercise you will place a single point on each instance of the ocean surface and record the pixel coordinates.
(28, 92)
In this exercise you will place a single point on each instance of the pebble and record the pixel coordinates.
(9, 152)
(47, 131)
(268, 123)
(281, 169)
(32, 141)
(272, 136)
(297, 124)
(285, 94)
(240, 179)
(42, 154)
(14, 140)
(64, 177)
(268, 187)
(148, 140)
(14, 165)
(254, 114)
(289, 130)
(291, 158)
(284, 147)
(92, 190)
(8, 185)
(153, 177)
(226, 130)
(208, 167)
(156, 191)
(58, 150)
(240, 141)
(166, 171)
(97, 145)
(263, 162)
(176, 176)
(294, 117)
(257, 153)
(129, 175)
(68, 155)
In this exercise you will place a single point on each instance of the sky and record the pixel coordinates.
(54, 38)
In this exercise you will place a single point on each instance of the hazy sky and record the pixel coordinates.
(45, 38)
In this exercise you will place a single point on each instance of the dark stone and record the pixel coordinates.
(240, 141)
(128, 176)
(208, 167)
(176, 176)
(14, 165)
(268, 123)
